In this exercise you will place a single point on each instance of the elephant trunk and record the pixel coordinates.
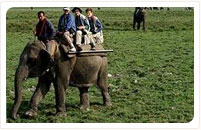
(20, 75)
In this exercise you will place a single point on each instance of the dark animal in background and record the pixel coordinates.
(99, 8)
(189, 8)
(168, 9)
(147, 8)
(155, 8)
(138, 17)
(161, 8)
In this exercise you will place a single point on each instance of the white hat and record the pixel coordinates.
(66, 8)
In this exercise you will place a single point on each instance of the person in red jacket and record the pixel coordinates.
(44, 31)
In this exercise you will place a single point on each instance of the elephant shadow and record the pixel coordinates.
(25, 106)
(95, 104)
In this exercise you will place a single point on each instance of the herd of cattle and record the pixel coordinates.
(162, 8)
(149, 8)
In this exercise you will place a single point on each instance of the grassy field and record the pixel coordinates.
(152, 71)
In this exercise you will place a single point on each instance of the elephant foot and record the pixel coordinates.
(15, 116)
(61, 114)
(107, 104)
(31, 113)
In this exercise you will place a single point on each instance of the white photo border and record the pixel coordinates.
(193, 124)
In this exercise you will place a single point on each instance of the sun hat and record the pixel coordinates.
(73, 10)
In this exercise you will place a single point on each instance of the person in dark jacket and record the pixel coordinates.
(82, 26)
(44, 30)
(96, 34)
(67, 27)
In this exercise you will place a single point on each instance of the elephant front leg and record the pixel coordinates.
(84, 98)
(60, 90)
(40, 92)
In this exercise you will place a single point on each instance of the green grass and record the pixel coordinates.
(152, 70)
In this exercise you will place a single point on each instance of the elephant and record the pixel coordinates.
(80, 71)
(138, 17)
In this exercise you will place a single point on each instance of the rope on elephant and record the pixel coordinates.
(91, 51)
(99, 51)
(102, 53)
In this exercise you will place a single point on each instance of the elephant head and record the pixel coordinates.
(34, 61)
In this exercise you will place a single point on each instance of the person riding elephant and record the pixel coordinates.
(79, 71)
(95, 34)
(67, 27)
(138, 17)
(82, 25)
(44, 31)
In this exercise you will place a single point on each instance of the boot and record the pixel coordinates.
(93, 47)
(72, 48)
(79, 48)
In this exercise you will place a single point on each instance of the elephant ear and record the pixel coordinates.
(34, 52)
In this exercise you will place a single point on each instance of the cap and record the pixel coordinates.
(66, 8)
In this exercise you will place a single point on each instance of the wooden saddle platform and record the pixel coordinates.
(86, 51)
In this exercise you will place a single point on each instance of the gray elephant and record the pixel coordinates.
(80, 71)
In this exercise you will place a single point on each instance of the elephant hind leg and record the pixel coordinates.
(105, 93)
(84, 98)
(106, 96)
(103, 84)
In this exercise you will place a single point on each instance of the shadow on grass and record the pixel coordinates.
(96, 104)
(49, 110)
